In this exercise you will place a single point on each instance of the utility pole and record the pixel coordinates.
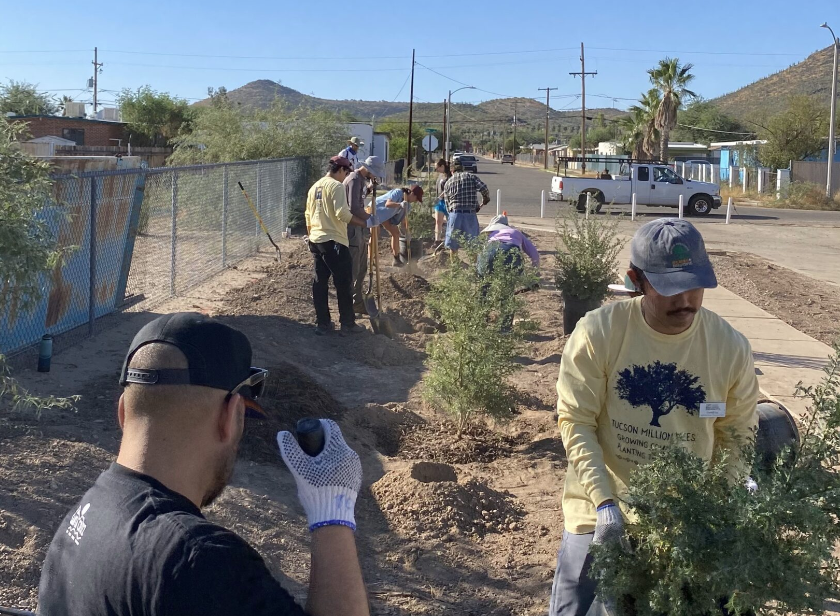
(514, 148)
(445, 131)
(96, 67)
(410, 145)
(547, 112)
(832, 143)
(583, 75)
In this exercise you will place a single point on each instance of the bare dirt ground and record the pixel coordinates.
(467, 526)
(811, 306)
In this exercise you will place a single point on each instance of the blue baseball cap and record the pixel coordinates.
(672, 254)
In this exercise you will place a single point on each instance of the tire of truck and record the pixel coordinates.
(700, 205)
(597, 197)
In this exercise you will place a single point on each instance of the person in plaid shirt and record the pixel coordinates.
(461, 197)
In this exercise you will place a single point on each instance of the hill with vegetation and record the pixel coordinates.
(771, 94)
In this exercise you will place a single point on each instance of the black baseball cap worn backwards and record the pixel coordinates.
(218, 356)
(672, 254)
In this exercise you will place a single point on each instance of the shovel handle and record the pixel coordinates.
(310, 436)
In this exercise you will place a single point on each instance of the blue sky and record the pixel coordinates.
(358, 50)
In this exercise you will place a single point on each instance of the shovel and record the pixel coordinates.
(260, 220)
(380, 323)
(368, 298)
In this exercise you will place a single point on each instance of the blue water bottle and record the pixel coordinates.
(45, 353)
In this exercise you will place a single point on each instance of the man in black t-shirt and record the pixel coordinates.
(137, 543)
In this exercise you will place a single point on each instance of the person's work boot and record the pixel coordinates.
(322, 329)
(352, 329)
(397, 262)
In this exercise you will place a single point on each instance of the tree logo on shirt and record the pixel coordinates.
(662, 387)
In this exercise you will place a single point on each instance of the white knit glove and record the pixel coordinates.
(609, 525)
(751, 485)
(328, 483)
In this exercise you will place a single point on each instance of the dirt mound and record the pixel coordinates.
(404, 285)
(439, 443)
(387, 423)
(285, 289)
(290, 395)
(427, 500)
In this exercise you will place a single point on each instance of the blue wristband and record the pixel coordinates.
(318, 525)
(604, 506)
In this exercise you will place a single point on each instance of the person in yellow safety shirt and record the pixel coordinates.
(640, 374)
(327, 217)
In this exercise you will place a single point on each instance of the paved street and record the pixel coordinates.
(801, 240)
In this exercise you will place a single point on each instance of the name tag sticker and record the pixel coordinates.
(713, 409)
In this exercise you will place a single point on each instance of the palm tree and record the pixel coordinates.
(671, 79)
(641, 135)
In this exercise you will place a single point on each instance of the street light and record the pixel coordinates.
(831, 137)
(449, 119)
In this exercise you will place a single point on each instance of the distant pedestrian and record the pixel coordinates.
(461, 197)
(351, 152)
(391, 211)
(327, 217)
(359, 237)
(441, 214)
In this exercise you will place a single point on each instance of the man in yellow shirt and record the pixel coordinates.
(327, 217)
(637, 375)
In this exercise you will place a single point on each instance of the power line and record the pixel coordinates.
(442, 75)
(707, 53)
(407, 77)
(232, 57)
(712, 130)
(259, 70)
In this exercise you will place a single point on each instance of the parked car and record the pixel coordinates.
(656, 185)
(468, 162)
(507, 158)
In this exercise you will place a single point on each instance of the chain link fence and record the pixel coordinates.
(135, 237)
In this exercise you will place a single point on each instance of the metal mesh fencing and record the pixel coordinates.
(132, 238)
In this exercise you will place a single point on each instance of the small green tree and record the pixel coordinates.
(586, 255)
(154, 117)
(470, 363)
(795, 134)
(702, 542)
(27, 248)
(23, 98)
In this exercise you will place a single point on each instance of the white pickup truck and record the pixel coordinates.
(656, 185)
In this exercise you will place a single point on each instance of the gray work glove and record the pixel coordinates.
(328, 483)
(751, 485)
(609, 525)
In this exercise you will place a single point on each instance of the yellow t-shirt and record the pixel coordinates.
(327, 212)
(624, 389)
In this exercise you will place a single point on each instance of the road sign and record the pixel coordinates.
(430, 143)
(431, 130)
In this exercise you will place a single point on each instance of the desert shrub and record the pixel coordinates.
(702, 541)
(470, 363)
(586, 254)
(804, 195)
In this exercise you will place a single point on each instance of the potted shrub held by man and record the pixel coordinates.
(587, 262)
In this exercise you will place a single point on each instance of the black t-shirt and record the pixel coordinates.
(133, 547)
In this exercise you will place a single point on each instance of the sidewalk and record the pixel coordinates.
(784, 356)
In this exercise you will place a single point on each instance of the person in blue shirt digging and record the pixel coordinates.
(391, 211)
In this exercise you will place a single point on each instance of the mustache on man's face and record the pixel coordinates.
(681, 311)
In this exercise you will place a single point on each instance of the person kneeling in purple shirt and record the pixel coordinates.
(512, 243)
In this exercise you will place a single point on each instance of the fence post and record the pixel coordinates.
(542, 204)
(258, 206)
(224, 214)
(284, 200)
(728, 210)
(498, 201)
(744, 178)
(173, 230)
(760, 180)
(731, 173)
(92, 286)
(681, 206)
(633, 207)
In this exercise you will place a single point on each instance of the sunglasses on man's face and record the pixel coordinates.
(252, 387)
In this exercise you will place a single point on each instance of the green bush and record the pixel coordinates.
(586, 254)
(469, 364)
(700, 538)
(804, 195)
(27, 249)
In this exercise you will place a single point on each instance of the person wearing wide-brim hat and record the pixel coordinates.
(351, 152)
(355, 185)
